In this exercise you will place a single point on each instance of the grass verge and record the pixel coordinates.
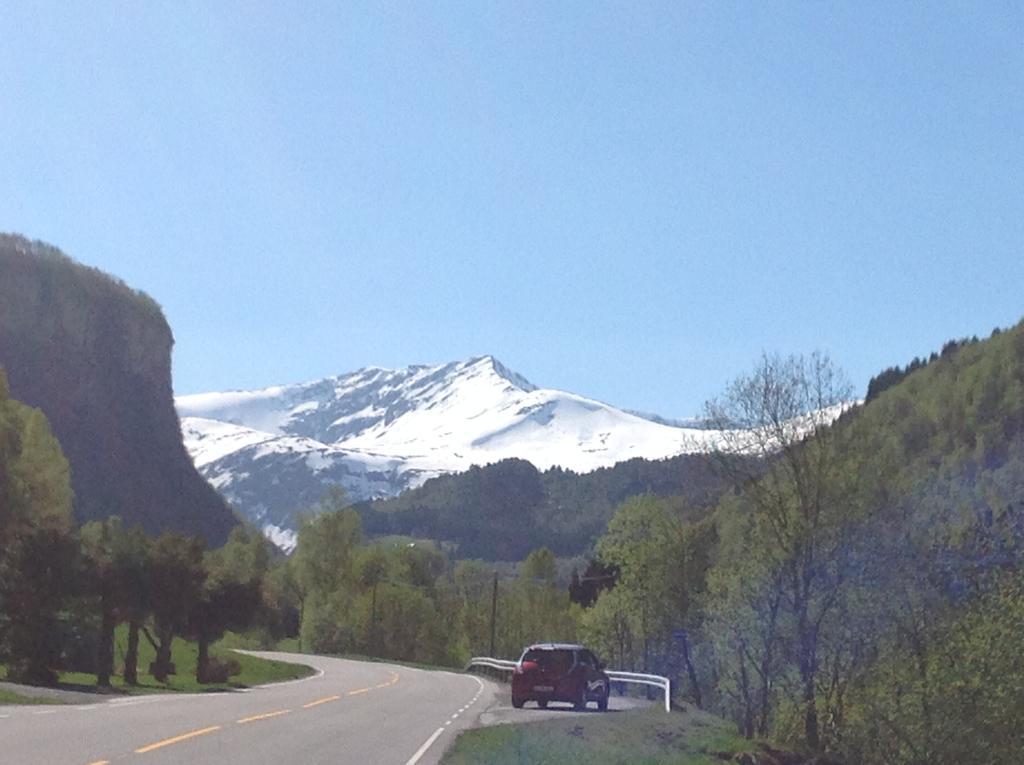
(8, 697)
(641, 737)
(184, 654)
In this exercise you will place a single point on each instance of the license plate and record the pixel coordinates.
(544, 688)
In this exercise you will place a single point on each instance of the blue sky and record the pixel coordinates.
(625, 200)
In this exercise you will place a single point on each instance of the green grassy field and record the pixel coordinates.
(290, 645)
(184, 655)
(641, 737)
(6, 697)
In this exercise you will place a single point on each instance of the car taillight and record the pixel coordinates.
(526, 666)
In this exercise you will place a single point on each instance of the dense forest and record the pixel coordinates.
(504, 510)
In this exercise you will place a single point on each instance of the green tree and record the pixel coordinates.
(282, 599)
(324, 563)
(607, 626)
(420, 564)
(373, 568)
(540, 567)
(325, 554)
(533, 608)
(662, 563)
(472, 583)
(37, 548)
(783, 412)
(116, 558)
(409, 625)
(176, 578)
(744, 621)
(230, 595)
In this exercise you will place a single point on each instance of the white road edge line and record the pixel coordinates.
(319, 673)
(155, 698)
(430, 741)
(423, 749)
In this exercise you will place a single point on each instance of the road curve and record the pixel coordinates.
(349, 712)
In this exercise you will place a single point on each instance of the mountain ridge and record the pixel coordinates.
(377, 432)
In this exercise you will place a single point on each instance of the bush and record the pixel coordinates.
(218, 670)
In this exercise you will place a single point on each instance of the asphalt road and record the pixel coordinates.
(350, 712)
(501, 712)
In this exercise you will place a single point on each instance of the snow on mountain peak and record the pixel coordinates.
(495, 366)
(273, 451)
(337, 408)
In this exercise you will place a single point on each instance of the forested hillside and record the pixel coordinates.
(505, 510)
(95, 356)
(865, 595)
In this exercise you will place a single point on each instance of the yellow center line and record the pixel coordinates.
(264, 716)
(312, 704)
(392, 681)
(358, 691)
(176, 739)
(100, 762)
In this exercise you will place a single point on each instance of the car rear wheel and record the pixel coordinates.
(542, 703)
(517, 703)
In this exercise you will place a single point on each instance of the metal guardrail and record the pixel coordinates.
(657, 681)
(499, 664)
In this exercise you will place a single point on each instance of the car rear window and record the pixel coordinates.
(556, 660)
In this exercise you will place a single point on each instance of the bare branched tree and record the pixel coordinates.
(783, 413)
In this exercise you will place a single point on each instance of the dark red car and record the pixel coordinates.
(559, 672)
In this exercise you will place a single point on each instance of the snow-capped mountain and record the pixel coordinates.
(272, 452)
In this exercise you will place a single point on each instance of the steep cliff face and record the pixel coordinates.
(95, 356)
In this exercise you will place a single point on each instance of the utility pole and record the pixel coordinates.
(373, 615)
(494, 611)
